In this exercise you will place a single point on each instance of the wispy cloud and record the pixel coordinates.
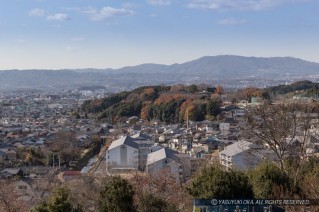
(159, 2)
(50, 17)
(235, 4)
(58, 17)
(37, 12)
(107, 12)
(232, 21)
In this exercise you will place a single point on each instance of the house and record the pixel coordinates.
(198, 151)
(186, 144)
(211, 142)
(243, 103)
(24, 189)
(197, 137)
(165, 158)
(8, 154)
(174, 143)
(40, 142)
(205, 93)
(11, 173)
(129, 152)
(11, 155)
(162, 138)
(136, 128)
(122, 154)
(132, 119)
(256, 100)
(144, 143)
(240, 155)
(172, 129)
(224, 128)
(181, 143)
(29, 142)
(141, 136)
(239, 115)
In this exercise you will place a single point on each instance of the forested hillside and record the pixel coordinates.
(165, 103)
(306, 86)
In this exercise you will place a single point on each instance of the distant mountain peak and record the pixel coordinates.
(208, 69)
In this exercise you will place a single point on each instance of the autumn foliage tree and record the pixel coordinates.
(219, 90)
(162, 103)
(178, 87)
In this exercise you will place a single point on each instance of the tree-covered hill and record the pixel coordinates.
(165, 103)
(306, 86)
(238, 71)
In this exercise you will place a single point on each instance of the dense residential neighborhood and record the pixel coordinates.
(159, 106)
(50, 136)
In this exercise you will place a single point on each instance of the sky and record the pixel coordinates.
(67, 34)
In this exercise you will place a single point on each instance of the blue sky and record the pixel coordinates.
(57, 34)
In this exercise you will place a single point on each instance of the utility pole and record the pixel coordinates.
(59, 161)
(187, 118)
(53, 160)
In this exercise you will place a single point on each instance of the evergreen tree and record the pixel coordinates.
(268, 181)
(215, 182)
(213, 108)
(193, 88)
(58, 202)
(116, 196)
(155, 204)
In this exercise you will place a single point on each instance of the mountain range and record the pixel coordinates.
(236, 71)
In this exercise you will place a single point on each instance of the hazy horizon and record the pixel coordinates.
(116, 68)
